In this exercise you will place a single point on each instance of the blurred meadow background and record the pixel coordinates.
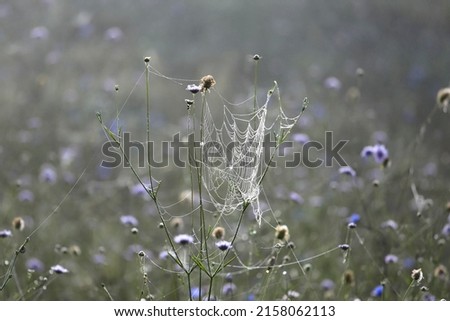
(371, 71)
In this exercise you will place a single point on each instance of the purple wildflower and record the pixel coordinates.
(367, 151)
(390, 258)
(34, 264)
(48, 174)
(129, 220)
(26, 196)
(327, 285)
(5, 234)
(332, 83)
(300, 138)
(347, 170)
(380, 153)
(223, 245)
(377, 291)
(229, 288)
(354, 218)
(446, 230)
(193, 88)
(59, 269)
(183, 239)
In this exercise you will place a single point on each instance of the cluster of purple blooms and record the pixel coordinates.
(378, 151)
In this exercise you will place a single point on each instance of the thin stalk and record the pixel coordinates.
(203, 238)
(147, 87)
(255, 85)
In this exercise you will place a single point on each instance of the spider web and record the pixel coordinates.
(235, 177)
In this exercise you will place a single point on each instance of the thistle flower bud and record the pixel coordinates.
(207, 82)
(218, 233)
(176, 223)
(348, 278)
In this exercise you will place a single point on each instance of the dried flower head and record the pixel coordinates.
(176, 223)
(282, 232)
(75, 250)
(443, 98)
(218, 233)
(18, 223)
(447, 206)
(146, 59)
(417, 275)
(348, 278)
(256, 57)
(207, 82)
(440, 271)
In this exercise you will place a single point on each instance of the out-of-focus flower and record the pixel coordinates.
(300, 138)
(183, 239)
(229, 288)
(327, 285)
(347, 170)
(377, 291)
(59, 269)
(113, 34)
(332, 83)
(380, 153)
(5, 234)
(25, 196)
(390, 224)
(446, 230)
(296, 197)
(129, 220)
(367, 151)
(193, 88)
(34, 264)
(390, 258)
(39, 32)
(354, 218)
(223, 245)
(48, 174)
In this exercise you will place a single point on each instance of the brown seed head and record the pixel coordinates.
(218, 233)
(282, 232)
(207, 82)
(443, 98)
(18, 223)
